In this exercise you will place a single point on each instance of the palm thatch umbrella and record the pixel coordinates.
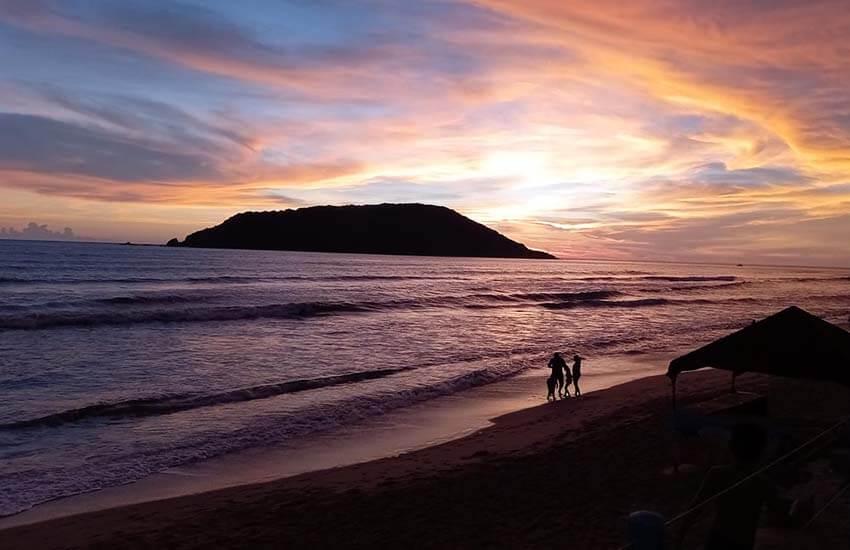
(791, 343)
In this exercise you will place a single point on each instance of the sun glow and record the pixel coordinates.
(526, 167)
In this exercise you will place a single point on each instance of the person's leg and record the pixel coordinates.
(560, 385)
(575, 385)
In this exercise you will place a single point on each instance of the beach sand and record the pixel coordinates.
(416, 426)
(566, 473)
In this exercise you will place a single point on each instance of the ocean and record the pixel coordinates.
(117, 362)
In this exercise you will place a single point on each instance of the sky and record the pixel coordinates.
(687, 130)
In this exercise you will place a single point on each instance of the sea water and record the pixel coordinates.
(117, 362)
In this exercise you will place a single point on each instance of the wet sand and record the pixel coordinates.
(565, 474)
(420, 425)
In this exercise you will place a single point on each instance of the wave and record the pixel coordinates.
(29, 320)
(642, 302)
(647, 302)
(303, 310)
(531, 297)
(32, 486)
(569, 296)
(688, 288)
(125, 280)
(135, 408)
(219, 279)
(689, 278)
(32, 321)
(376, 278)
(142, 299)
(666, 278)
(816, 279)
(729, 279)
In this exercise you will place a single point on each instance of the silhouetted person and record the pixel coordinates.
(576, 373)
(558, 365)
(737, 512)
(568, 379)
(551, 383)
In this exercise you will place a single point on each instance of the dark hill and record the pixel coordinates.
(412, 229)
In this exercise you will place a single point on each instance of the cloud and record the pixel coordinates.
(455, 193)
(152, 118)
(717, 175)
(87, 161)
(34, 231)
(34, 143)
(205, 40)
(637, 217)
(652, 128)
(761, 61)
(763, 234)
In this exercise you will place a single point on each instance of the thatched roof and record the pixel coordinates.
(792, 343)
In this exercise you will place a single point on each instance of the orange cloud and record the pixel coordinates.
(780, 64)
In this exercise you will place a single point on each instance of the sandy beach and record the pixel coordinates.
(532, 479)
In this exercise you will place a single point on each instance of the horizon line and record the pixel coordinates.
(557, 258)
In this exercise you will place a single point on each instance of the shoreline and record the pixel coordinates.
(516, 451)
(569, 471)
(426, 424)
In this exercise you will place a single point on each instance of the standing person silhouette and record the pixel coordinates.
(576, 373)
(558, 365)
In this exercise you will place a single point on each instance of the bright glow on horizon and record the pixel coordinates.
(679, 131)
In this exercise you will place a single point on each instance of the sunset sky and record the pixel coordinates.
(647, 129)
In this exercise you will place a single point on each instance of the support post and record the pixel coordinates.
(673, 384)
(677, 451)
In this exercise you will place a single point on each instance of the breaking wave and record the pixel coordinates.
(35, 486)
(181, 402)
(302, 310)
(147, 299)
(31, 321)
(296, 310)
(666, 278)
(643, 302)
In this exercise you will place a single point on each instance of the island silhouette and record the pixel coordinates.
(403, 229)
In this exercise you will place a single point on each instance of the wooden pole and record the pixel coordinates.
(673, 383)
(677, 455)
